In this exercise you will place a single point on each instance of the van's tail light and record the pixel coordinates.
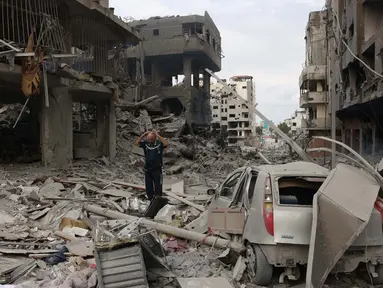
(268, 211)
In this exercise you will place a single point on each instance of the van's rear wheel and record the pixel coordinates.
(259, 269)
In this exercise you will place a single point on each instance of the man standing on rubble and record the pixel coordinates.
(153, 145)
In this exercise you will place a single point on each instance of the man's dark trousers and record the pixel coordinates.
(153, 183)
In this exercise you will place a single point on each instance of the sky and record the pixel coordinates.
(262, 38)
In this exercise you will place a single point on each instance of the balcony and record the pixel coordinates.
(316, 72)
(317, 124)
(311, 98)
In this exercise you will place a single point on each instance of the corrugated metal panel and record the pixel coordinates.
(341, 211)
(121, 268)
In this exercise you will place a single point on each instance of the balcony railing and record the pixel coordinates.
(318, 123)
(310, 98)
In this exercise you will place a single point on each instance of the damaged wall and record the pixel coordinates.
(56, 128)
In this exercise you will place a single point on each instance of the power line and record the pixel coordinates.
(348, 48)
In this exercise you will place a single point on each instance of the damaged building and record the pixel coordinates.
(172, 46)
(233, 115)
(358, 81)
(313, 82)
(59, 59)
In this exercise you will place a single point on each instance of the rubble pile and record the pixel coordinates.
(64, 231)
(190, 157)
(48, 235)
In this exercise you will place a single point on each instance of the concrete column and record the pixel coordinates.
(373, 139)
(102, 127)
(352, 144)
(343, 139)
(196, 78)
(35, 110)
(112, 129)
(156, 74)
(206, 82)
(56, 129)
(361, 141)
(187, 72)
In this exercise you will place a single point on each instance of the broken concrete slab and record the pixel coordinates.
(218, 282)
(239, 269)
(39, 214)
(51, 190)
(200, 224)
(5, 218)
(166, 214)
(80, 247)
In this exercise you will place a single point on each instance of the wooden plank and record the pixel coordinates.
(40, 214)
(125, 184)
(26, 252)
(19, 243)
(187, 202)
(118, 207)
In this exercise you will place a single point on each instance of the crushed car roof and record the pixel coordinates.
(294, 167)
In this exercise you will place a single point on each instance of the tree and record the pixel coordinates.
(259, 130)
(283, 126)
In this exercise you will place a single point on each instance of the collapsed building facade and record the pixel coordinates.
(45, 48)
(313, 82)
(355, 69)
(236, 116)
(173, 46)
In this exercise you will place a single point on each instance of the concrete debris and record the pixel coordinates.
(67, 218)
(239, 269)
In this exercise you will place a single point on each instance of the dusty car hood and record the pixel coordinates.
(341, 210)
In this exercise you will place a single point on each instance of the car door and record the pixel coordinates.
(228, 190)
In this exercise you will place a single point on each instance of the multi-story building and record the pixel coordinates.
(173, 46)
(313, 79)
(42, 36)
(298, 121)
(235, 115)
(357, 81)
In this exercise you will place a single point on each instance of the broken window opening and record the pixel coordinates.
(207, 36)
(351, 31)
(156, 32)
(22, 143)
(85, 128)
(229, 186)
(298, 190)
(172, 106)
(252, 185)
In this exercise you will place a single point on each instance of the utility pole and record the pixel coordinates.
(332, 93)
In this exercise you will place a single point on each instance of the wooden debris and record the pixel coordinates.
(115, 205)
(27, 252)
(134, 186)
(40, 214)
(37, 208)
(167, 229)
(19, 243)
(185, 201)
